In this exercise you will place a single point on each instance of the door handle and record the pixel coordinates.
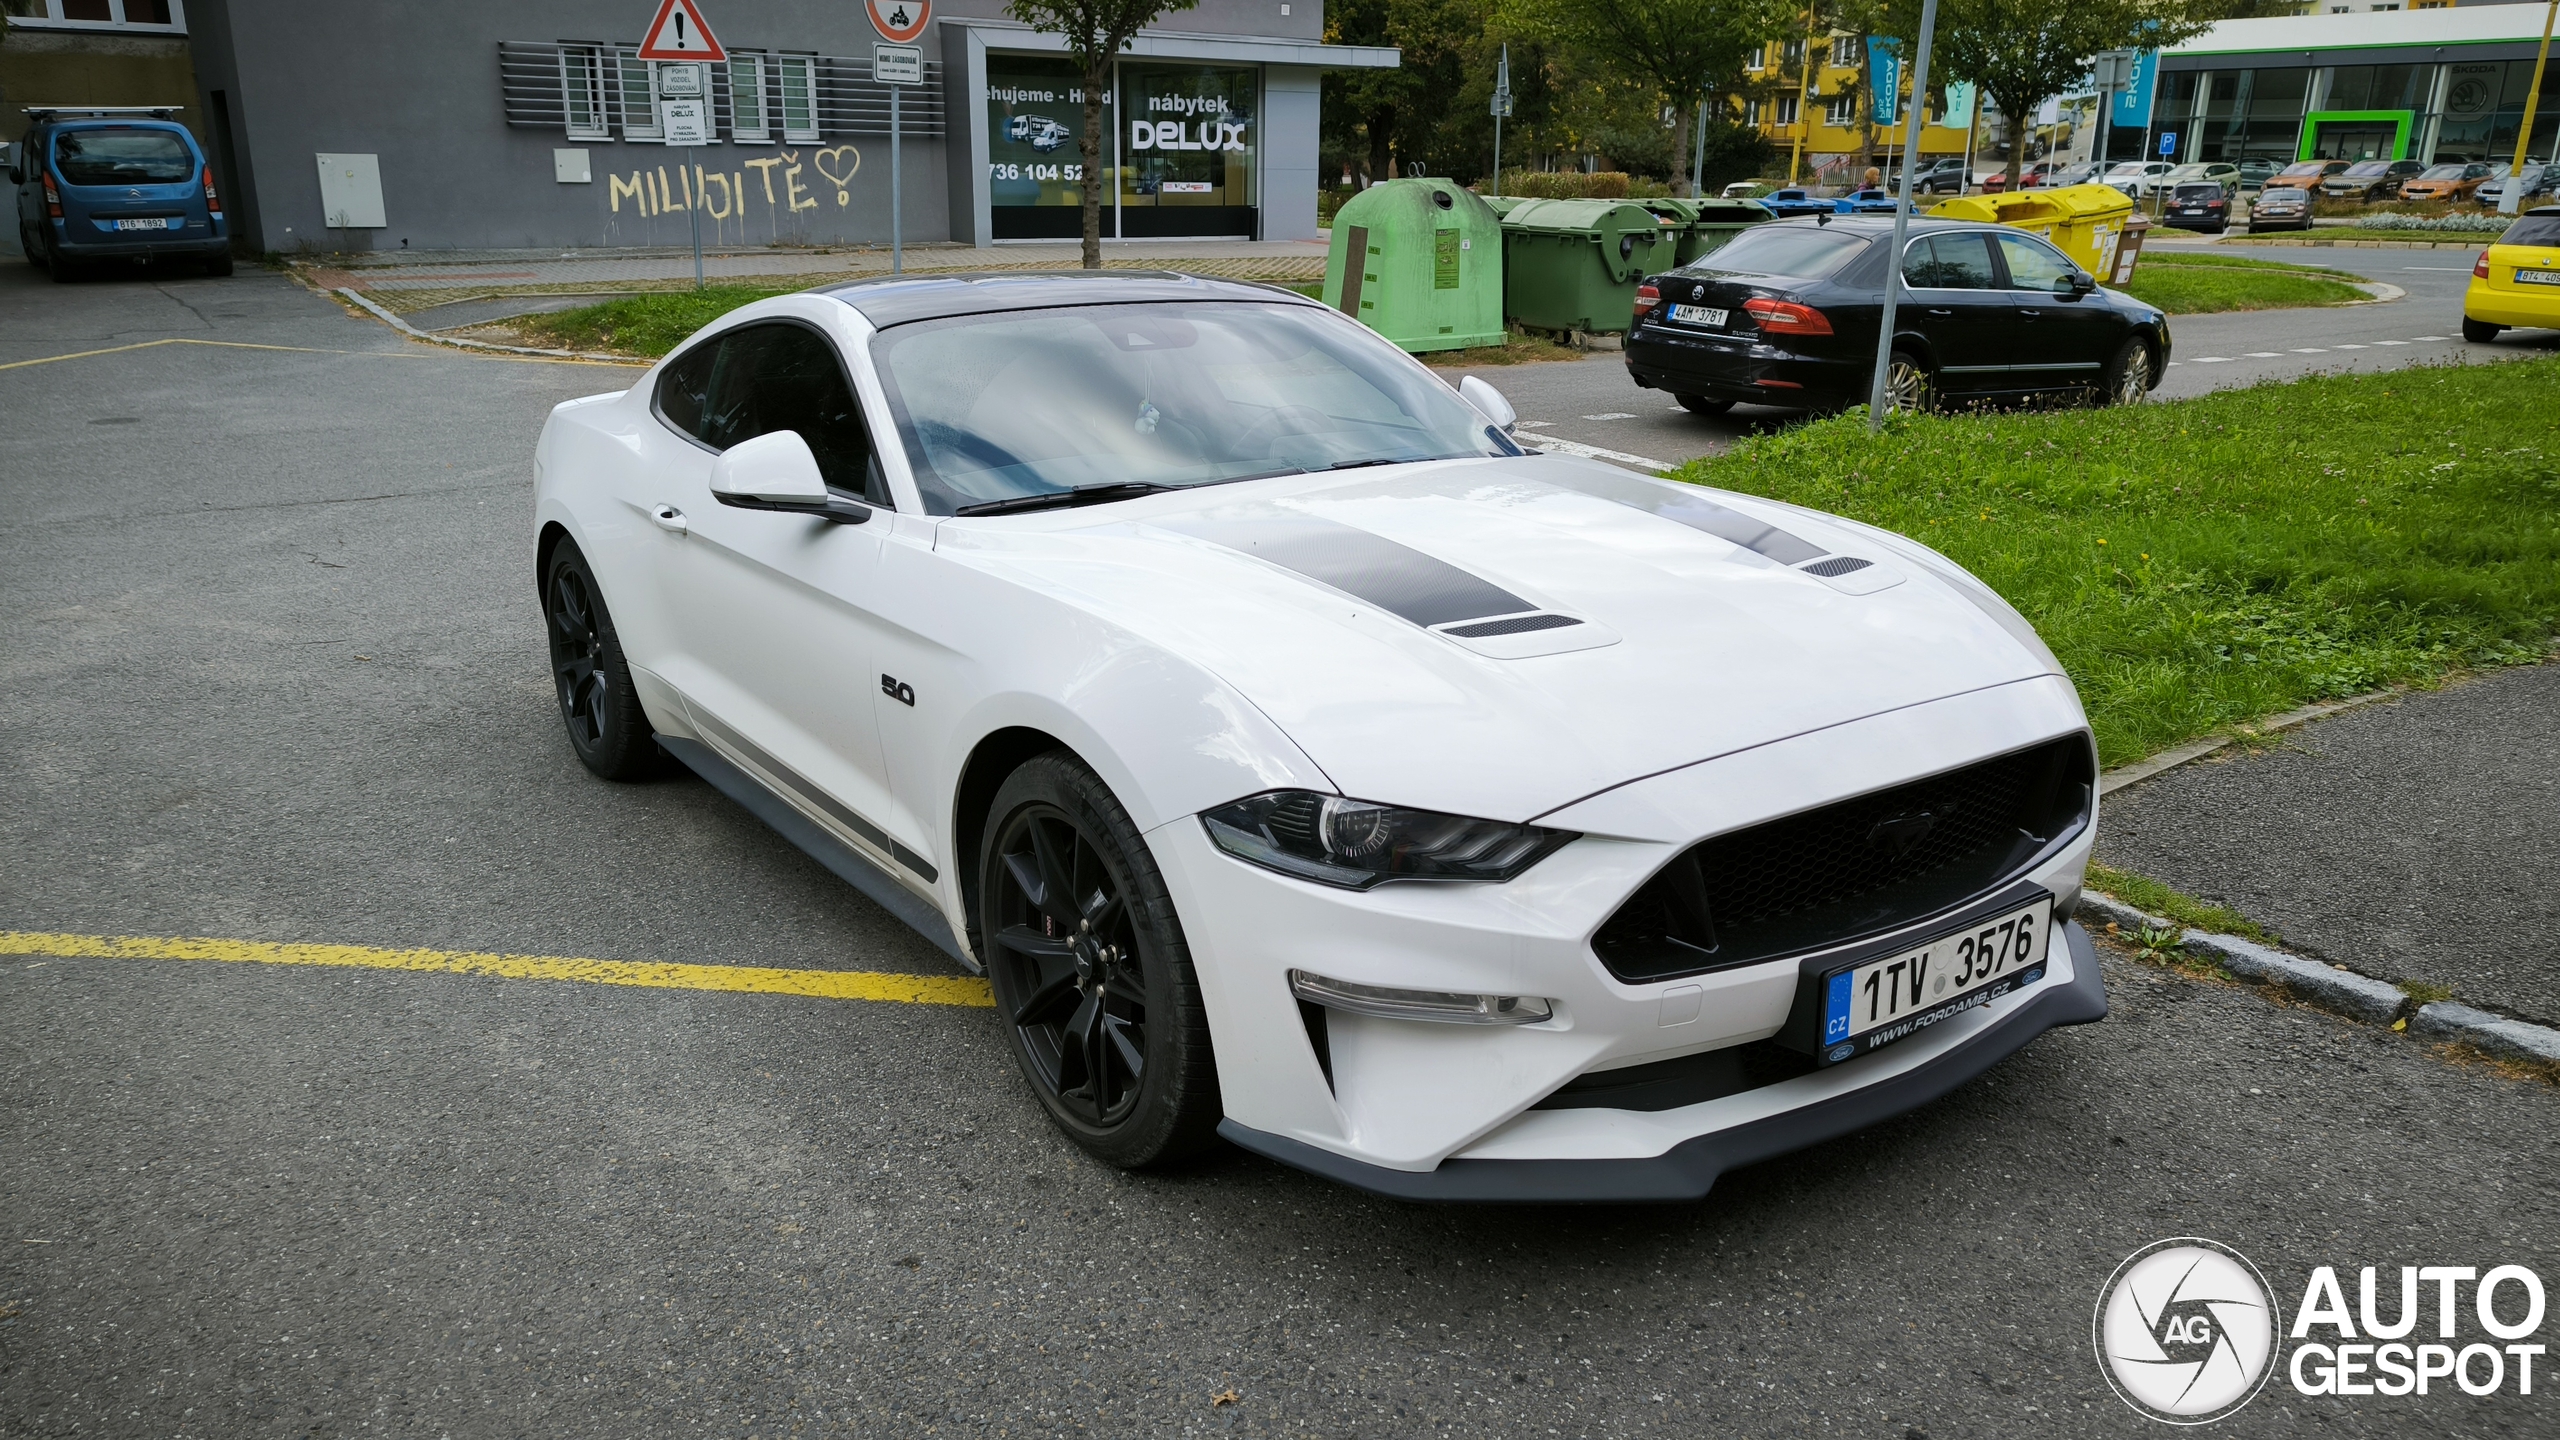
(1941, 314)
(668, 518)
(2030, 314)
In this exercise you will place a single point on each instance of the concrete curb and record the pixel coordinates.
(2382, 293)
(2343, 991)
(414, 333)
(2167, 760)
(2494, 1034)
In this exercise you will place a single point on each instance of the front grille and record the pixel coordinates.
(1852, 869)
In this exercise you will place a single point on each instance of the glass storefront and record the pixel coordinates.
(1187, 162)
(1035, 157)
(2460, 111)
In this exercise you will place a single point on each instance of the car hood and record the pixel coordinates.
(1363, 613)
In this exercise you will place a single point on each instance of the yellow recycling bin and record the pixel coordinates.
(2086, 222)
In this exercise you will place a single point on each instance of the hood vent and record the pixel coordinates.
(1515, 625)
(1836, 565)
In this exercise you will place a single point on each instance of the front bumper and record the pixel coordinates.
(1689, 1169)
(1413, 1097)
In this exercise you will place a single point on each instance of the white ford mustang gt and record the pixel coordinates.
(1302, 761)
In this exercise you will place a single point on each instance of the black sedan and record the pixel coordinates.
(1786, 314)
(2198, 205)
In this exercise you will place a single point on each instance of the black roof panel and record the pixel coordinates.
(899, 300)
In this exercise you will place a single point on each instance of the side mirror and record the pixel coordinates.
(1489, 403)
(776, 471)
(2075, 285)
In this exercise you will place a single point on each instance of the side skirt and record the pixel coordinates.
(851, 865)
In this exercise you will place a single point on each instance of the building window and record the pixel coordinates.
(1787, 110)
(799, 87)
(1751, 112)
(636, 97)
(167, 15)
(1842, 111)
(1758, 58)
(1794, 52)
(748, 121)
(1844, 51)
(583, 93)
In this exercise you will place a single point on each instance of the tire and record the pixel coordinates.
(2128, 375)
(1093, 979)
(601, 711)
(30, 247)
(1909, 388)
(1701, 405)
(218, 265)
(2479, 332)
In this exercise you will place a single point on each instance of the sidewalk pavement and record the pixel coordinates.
(406, 281)
(2415, 840)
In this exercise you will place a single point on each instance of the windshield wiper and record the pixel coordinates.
(1064, 499)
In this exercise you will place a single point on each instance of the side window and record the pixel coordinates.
(1948, 262)
(786, 377)
(684, 389)
(2033, 265)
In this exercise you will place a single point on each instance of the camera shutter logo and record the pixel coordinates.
(2186, 1330)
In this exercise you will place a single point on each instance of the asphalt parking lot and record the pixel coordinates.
(1591, 402)
(273, 671)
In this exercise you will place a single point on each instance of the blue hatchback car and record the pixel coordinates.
(103, 186)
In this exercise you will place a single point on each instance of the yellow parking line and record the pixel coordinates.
(186, 340)
(754, 979)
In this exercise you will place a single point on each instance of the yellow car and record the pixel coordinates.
(2517, 281)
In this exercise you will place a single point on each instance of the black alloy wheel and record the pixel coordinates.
(1091, 974)
(607, 727)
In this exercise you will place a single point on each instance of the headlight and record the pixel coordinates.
(1356, 844)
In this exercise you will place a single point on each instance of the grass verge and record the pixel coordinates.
(1515, 349)
(2182, 287)
(649, 325)
(2150, 896)
(2211, 260)
(2196, 567)
(2352, 232)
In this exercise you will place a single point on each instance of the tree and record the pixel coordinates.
(1096, 31)
(2021, 52)
(1683, 50)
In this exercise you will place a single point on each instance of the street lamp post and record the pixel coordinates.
(1902, 218)
(2511, 194)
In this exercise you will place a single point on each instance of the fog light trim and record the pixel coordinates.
(1438, 1006)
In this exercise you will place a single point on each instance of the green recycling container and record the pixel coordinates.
(1572, 265)
(1505, 204)
(1701, 227)
(1420, 262)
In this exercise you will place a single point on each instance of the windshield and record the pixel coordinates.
(2443, 172)
(1793, 248)
(2200, 192)
(122, 155)
(2370, 167)
(1038, 402)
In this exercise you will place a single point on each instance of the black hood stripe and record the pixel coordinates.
(1396, 578)
(1685, 506)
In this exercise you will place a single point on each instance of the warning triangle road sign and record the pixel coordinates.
(679, 34)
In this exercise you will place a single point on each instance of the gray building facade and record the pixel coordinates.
(475, 124)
